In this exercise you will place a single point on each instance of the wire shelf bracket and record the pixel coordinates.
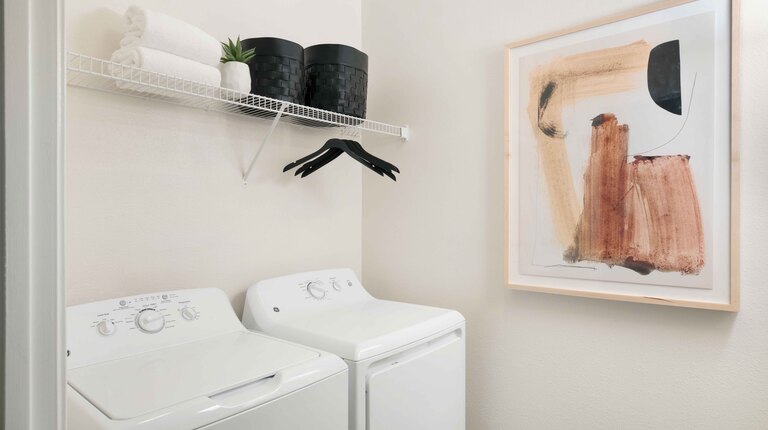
(102, 75)
(263, 142)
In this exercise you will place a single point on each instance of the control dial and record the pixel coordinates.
(150, 321)
(189, 313)
(315, 290)
(106, 327)
(336, 285)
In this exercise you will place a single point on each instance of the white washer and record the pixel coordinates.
(407, 362)
(182, 360)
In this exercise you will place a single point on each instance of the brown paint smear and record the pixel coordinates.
(560, 83)
(642, 215)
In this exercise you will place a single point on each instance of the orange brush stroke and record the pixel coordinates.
(589, 74)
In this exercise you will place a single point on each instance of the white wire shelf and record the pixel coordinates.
(94, 73)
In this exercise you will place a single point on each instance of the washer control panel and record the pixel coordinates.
(128, 325)
(148, 314)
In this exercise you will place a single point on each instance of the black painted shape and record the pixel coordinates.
(664, 77)
(546, 94)
(598, 120)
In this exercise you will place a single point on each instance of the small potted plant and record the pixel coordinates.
(235, 74)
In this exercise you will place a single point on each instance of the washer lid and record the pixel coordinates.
(365, 329)
(133, 386)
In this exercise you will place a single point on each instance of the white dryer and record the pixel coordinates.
(182, 360)
(407, 362)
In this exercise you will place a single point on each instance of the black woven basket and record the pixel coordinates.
(337, 79)
(277, 68)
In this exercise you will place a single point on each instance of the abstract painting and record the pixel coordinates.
(619, 172)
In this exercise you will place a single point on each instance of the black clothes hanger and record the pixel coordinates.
(307, 158)
(319, 162)
(332, 149)
(332, 143)
(357, 147)
(331, 155)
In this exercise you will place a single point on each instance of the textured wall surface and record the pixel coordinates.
(154, 199)
(436, 237)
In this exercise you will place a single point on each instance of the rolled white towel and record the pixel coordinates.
(165, 33)
(162, 62)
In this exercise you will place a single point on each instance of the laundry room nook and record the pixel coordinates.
(384, 215)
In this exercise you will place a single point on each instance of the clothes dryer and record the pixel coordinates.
(406, 361)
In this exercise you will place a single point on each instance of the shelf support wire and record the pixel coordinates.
(264, 141)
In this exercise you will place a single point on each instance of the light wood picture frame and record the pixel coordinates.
(622, 159)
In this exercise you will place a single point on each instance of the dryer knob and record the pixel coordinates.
(315, 291)
(150, 321)
(106, 328)
(336, 285)
(189, 314)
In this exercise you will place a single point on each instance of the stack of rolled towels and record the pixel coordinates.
(160, 43)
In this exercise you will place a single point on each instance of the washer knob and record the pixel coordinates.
(315, 291)
(150, 321)
(189, 314)
(106, 327)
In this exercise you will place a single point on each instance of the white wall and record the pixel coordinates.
(154, 199)
(436, 237)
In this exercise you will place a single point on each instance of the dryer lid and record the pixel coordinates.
(137, 385)
(366, 328)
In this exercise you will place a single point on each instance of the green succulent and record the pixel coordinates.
(233, 51)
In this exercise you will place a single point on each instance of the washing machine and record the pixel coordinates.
(182, 360)
(406, 361)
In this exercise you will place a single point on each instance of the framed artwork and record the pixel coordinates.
(622, 157)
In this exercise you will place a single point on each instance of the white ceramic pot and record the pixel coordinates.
(235, 76)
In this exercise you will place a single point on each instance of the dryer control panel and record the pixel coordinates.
(325, 286)
(124, 326)
(311, 290)
(302, 293)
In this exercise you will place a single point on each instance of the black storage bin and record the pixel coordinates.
(337, 79)
(277, 68)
